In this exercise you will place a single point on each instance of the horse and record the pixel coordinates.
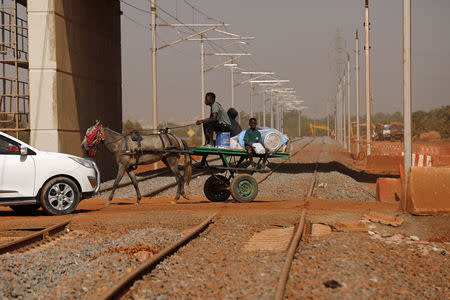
(134, 149)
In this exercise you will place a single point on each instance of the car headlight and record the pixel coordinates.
(84, 162)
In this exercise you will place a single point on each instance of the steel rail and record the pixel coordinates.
(33, 238)
(118, 290)
(281, 286)
(313, 182)
(283, 162)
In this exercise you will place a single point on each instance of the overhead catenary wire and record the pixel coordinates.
(185, 53)
(212, 44)
(135, 7)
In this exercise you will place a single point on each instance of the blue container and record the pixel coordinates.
(223, 140)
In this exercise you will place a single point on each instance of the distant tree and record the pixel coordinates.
(435, 120)
(129, 126)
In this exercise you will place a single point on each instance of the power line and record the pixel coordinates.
(136, 22)
(212, 44)
(135, 7)
(202, 13)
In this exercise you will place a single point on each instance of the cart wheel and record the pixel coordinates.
(216, 188)
(244, 188)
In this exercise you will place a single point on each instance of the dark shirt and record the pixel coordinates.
(252, 137)
(235, 127)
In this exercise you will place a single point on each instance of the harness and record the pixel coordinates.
(96, 135)
(93, 137)
(167, 141)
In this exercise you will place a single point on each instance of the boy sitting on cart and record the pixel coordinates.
(254, 144)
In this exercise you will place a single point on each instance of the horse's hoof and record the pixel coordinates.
(186, 197)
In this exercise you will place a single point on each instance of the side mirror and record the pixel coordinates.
(23, 150)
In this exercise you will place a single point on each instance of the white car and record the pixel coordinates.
(30, 178)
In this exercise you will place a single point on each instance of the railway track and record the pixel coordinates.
(119, 289)
(45, 235)
(297, 235)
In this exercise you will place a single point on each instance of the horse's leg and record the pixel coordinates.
(135, 184)
(116, 182)
(172, 163)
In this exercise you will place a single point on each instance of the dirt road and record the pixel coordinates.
(225, 262)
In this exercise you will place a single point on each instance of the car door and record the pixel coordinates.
(17, 172)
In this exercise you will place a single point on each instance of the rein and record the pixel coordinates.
(96, 135)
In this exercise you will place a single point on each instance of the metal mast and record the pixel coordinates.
(407, 85)
(366, 50)
(154, 85)
(348, 104)
(202, 80)
(357, 92)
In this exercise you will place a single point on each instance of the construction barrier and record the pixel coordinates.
(389, 190)
(428, 190)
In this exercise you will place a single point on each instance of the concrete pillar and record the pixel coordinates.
(75, 72)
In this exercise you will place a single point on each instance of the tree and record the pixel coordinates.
(129, 126)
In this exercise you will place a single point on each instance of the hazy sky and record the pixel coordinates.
(294, 38)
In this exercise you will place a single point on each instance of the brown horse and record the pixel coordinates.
(135, 149)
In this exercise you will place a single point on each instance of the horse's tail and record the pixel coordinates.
(187, 164)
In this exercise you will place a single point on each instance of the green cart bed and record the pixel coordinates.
(237, 179)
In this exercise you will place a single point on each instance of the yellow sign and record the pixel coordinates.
(191, 132)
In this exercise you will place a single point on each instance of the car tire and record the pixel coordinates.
(25, 210)
(60, 196)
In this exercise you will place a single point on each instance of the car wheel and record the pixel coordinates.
(25, 210)
(60, 196)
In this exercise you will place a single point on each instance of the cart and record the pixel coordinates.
(237, 179)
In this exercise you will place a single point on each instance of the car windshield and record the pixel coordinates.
(386, 127)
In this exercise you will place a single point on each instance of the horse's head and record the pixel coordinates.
(93, 137)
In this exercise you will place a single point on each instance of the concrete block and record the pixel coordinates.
(383, 164)
(389, 190)
(428, 190)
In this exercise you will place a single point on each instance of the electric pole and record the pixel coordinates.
(154, 85)
(251, 96)
(264, 107)
(348, 104)
(366, 50)
(357, 92)
(407, 89)
(344, 128)
(202, 80)
(328, 120)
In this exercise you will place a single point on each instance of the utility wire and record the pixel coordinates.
(212, 44)
(202, 13)
(159, 36)
(136, 22)
(135, 7)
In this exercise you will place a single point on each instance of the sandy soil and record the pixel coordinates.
(386, 262)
